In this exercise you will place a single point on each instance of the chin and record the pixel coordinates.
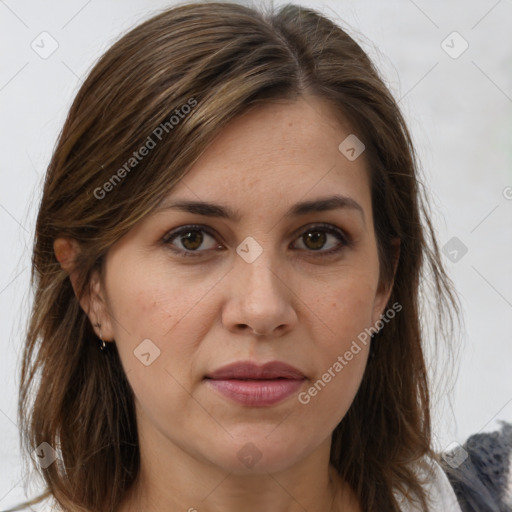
(258, 453)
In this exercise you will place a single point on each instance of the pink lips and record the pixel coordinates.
(256, 386)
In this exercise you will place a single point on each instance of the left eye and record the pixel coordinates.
(314, 239)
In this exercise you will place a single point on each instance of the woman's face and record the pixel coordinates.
(180, 307)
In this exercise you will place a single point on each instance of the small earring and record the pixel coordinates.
(103, 344)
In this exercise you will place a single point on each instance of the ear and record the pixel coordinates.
(384, 290)
(93, 301)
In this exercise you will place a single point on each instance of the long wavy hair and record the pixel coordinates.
(227, 58)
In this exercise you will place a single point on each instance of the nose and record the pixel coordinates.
(260, 301)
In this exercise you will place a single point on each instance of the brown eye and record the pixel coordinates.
(314, 240)
(317, 237)
(190, 240)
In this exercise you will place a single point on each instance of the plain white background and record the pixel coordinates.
(458, 105)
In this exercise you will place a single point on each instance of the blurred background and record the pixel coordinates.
(450, 66)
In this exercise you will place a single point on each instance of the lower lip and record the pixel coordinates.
(256, 393)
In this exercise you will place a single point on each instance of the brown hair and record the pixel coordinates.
(226, 58)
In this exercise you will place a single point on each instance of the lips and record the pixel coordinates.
(252, 385)
(249, 370)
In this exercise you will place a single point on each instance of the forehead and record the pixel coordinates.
(282, 150)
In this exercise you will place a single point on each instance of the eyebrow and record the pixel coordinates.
(207, 209)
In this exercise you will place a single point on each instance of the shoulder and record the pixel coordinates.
(440, 493)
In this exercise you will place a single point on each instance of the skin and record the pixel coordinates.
(202, 312)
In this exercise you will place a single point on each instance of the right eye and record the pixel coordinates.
(190, 238)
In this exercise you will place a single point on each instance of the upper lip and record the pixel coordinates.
(251, 370)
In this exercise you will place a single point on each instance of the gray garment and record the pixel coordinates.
(483, 481)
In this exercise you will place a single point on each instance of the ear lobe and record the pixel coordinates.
(92, 302)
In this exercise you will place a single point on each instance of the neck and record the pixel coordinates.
(178, 482)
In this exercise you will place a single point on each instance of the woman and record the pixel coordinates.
(228, 257)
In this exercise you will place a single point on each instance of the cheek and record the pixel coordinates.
(157, 336)
(339, 318)
(343, 309)
(148, 300)
(158, 319)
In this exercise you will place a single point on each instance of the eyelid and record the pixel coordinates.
(324, 226)
(186, 227)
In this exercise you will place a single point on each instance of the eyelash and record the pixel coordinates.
(327, 228)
